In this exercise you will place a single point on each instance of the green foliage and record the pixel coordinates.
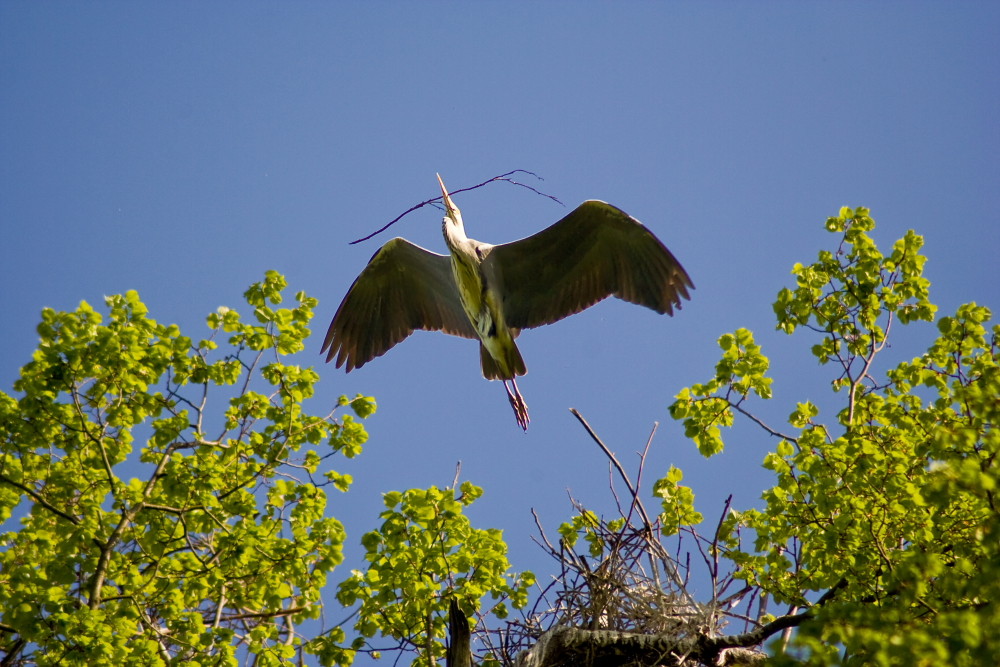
(704, 407)
(425, 553)
(169, 506)
(883, 523)
(586, 523)
(171, 494)
(677, 501)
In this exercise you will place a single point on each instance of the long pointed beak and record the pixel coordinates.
(448, 203)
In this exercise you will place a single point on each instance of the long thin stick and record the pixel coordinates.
(502, 177)
(618, 466)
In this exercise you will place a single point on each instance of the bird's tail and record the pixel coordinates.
(508, 368)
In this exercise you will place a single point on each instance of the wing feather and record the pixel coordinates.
(595, 252)
(403, 288)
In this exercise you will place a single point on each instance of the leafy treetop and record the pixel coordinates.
(215, 536)
(883, 525)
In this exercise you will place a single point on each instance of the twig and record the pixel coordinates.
(757, 420)
(38, 498)
(541, 531)
(638, 477)
(618, 466)
(715, 539)
(502, 177)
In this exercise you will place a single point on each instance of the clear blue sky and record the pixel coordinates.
(183, 149)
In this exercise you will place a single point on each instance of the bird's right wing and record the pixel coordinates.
(595, 252)
(403, 288)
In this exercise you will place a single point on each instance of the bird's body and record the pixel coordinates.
(491, 292)
(479, 280)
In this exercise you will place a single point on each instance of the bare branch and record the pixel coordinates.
(758, 636)
(502, 177)
(752, 417)
(572, 646)
(618, 466)
(264, 614)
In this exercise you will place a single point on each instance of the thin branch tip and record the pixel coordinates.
(433, 202)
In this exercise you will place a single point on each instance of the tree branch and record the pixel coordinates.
(618, 466)
(752, 417)
(755, 637)
(502, 177)
(568, 646)
(39, 499)
(264, 614)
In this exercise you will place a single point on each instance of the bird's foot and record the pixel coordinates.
(517, 403)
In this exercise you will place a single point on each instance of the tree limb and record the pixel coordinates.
(39, 499)
(568, 646)
(502, 177)
(618, 466)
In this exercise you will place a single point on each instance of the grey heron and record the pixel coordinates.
(491, 292)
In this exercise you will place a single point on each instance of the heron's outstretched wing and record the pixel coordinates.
(594, 252)
(403, 288)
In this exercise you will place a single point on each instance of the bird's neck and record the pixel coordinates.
(454, 233)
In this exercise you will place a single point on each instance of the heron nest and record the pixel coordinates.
(627, 602)
(634, 587)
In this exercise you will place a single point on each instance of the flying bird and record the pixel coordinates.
(490, 292)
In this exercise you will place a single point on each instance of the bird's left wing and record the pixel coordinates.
(403, 288)
(595, 252)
